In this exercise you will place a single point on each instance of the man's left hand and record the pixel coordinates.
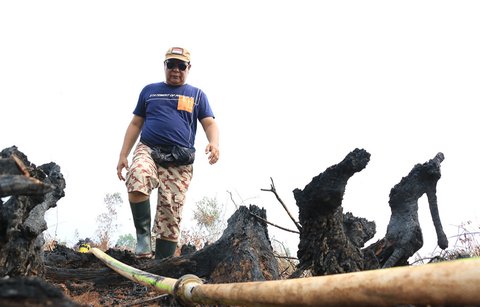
(214, 153)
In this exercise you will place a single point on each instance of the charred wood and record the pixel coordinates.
(329, 242)
(31, 291)
(404, 234)
(32, 190)
(22, 185)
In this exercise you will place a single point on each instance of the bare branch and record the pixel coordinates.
(274, 191)
(233, 201)
(285, 250)
(261, 218)
(285, 257)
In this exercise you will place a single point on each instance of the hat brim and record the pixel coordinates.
(177, 57)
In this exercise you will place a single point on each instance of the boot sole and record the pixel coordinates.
(144, 256)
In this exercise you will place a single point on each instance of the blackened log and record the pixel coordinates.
(15, 176)
(404, 234)
(31, 291)
(22, 216)
(22, 185)
(326, 246)
(243, 253)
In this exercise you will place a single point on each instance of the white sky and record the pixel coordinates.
(295, 86)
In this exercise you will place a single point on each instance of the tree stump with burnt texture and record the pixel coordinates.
(330, 241)
(404, 235)
(32, 191)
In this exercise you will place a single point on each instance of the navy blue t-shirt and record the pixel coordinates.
(171, 113)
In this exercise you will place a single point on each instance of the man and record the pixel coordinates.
(165, 118)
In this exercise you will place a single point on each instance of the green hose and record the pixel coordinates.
(164, 285)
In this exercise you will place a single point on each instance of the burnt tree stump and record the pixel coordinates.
(32, 190)
(330, 241)
(404, 235)
(243, 253)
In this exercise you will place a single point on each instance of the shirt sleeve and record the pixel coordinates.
(204, 109)
(141, 109)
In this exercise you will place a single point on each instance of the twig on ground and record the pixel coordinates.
(143, 301)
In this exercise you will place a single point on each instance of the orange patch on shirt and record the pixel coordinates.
(185, 103)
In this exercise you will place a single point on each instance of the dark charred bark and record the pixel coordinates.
(243, 253)
(32, 190)
(15, 177)
(31, 291)
(404, 235)
(329, 241)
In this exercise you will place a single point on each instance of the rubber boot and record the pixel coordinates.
(164, 248)
(141, 220)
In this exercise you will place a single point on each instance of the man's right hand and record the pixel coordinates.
(122, 163)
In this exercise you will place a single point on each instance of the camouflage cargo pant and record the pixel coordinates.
(172, 182)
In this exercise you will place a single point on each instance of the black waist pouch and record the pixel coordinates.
(172, 155)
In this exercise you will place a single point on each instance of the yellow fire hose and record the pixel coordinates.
(454, 282)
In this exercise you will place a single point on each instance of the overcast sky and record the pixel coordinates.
(295, 86)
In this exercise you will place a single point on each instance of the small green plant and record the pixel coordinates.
(126, 241)
(209, 218)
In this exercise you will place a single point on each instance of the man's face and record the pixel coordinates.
(176, 72)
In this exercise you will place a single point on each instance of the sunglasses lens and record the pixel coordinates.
(181, 66)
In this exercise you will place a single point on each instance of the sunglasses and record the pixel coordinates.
(180, 65)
